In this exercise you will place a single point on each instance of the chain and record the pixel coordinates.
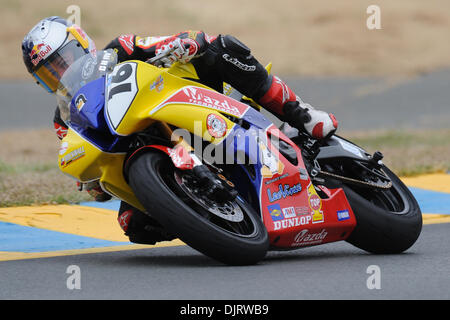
(364, 183)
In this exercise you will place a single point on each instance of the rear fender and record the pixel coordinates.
(338, 147)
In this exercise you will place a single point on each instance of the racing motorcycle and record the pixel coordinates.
(141, 130)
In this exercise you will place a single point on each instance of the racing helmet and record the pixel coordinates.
(51, 47)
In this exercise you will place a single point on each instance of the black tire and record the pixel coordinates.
(152, 178)
(388, 222)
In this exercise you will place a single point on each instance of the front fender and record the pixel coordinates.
(180, 157)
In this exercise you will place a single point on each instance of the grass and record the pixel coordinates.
(409, 153)
(29, 174)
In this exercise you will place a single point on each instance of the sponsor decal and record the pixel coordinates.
(107, 57)
(351, 148)
(277, 178)
(292, 219)
(211, 100)
(80, 101)
(283, 192)
(292, 222)
(315, 203)
(325, 190)
(306, 238)
(217, 126)
(88, 68)
(72, 157)
(181, 158)
(158, 84)
(39, 52)
(237, 63)
(275, 212)
(289, 212)
(63, 148)
(271, 164)
(303, 174)
(343, 215)
(301, 211)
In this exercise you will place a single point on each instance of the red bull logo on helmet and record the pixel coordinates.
(39, 52)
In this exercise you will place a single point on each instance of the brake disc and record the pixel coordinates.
(229, 210)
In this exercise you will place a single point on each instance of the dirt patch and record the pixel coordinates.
(408, 152)
(29, 172)
(306, 37)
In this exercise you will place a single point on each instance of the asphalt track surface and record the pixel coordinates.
(331, 271)
(358, 103)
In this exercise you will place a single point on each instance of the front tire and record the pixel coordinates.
(156, 183)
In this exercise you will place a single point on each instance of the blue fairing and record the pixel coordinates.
(256, 119)
(87, 116)
(245, 141)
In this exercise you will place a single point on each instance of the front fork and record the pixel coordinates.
(219, 187)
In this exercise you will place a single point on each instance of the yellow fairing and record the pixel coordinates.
(83, 161)
(157, 84)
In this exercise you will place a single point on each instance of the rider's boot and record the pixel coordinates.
(282, 101)
(140, 227)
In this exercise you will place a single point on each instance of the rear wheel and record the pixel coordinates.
(389, 219)
(229, 232)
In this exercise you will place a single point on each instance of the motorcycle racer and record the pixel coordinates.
(54, 43)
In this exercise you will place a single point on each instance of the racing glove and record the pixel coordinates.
(182, 50)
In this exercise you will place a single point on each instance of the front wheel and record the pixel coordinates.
(229, 232)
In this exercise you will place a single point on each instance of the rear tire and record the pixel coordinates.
(380, 228)
(152, 177)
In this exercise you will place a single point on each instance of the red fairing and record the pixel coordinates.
(295, 213)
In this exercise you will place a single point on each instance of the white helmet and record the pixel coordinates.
(51, 47)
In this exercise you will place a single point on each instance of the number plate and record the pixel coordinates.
(121, 91)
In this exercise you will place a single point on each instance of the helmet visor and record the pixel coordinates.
(49, 74)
